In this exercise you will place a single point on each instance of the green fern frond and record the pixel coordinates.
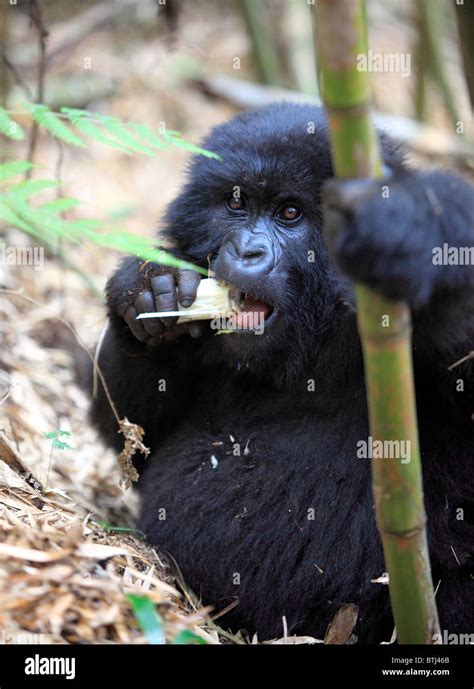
(175, 139)
(143, 247)
(31, 187)
(102, 128)
(91, 130)
(84, 226)
(40, 223)
(149, 136)
(9, 127)
(64, 203)
(75, 114)
(11, 218)
(119, 130)
(43, 116)
(43, 224)
(14, 168)
(82, 121)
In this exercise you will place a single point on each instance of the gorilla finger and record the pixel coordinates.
(188, 283)
(164, 291)
(135, 326)
(346, 195)
(145, 303)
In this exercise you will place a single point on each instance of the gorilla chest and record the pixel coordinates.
(262, 488)
(239, 431)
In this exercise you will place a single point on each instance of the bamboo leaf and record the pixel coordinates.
(148, 619)
(9, 127)
(51, 122)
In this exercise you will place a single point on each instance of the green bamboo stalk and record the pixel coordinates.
(263, 46)
(431, 21)
(346, 91)
(422, 61)
(465, 21)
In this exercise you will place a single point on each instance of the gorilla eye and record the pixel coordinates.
(289, 213)
(235, 203)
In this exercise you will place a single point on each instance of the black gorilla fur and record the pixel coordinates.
(240, 530)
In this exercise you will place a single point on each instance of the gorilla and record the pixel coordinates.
(254, 483)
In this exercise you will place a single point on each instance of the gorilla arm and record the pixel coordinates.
(149, 373)
(398, 244)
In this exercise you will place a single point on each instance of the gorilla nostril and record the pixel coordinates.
(253, 254)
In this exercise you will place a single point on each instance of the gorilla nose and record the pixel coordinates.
(247, 251)
(247, 254)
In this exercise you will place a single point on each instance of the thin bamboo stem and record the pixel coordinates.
(340, 39)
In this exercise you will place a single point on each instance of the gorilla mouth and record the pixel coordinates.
(251, 310)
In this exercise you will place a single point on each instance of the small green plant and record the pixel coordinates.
(186, 637)
(152, 625)
(57, 444)
(148, 618)
(119, 529)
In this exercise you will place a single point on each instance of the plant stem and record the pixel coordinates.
(430, 17)
(465, 21)
(263, 47)
(46, 484)
(346, 90)
(36, 12)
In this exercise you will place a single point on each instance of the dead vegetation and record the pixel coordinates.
(64, 571)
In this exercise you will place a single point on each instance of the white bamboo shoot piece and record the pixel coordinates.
(212, 300)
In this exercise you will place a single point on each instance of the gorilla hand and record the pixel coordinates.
(143, 287)
(377, 233)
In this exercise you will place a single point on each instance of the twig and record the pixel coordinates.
(16, 77)
(468, 356)
(37, 19)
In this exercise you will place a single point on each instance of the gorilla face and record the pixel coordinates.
(266, 235)
(255, 217)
